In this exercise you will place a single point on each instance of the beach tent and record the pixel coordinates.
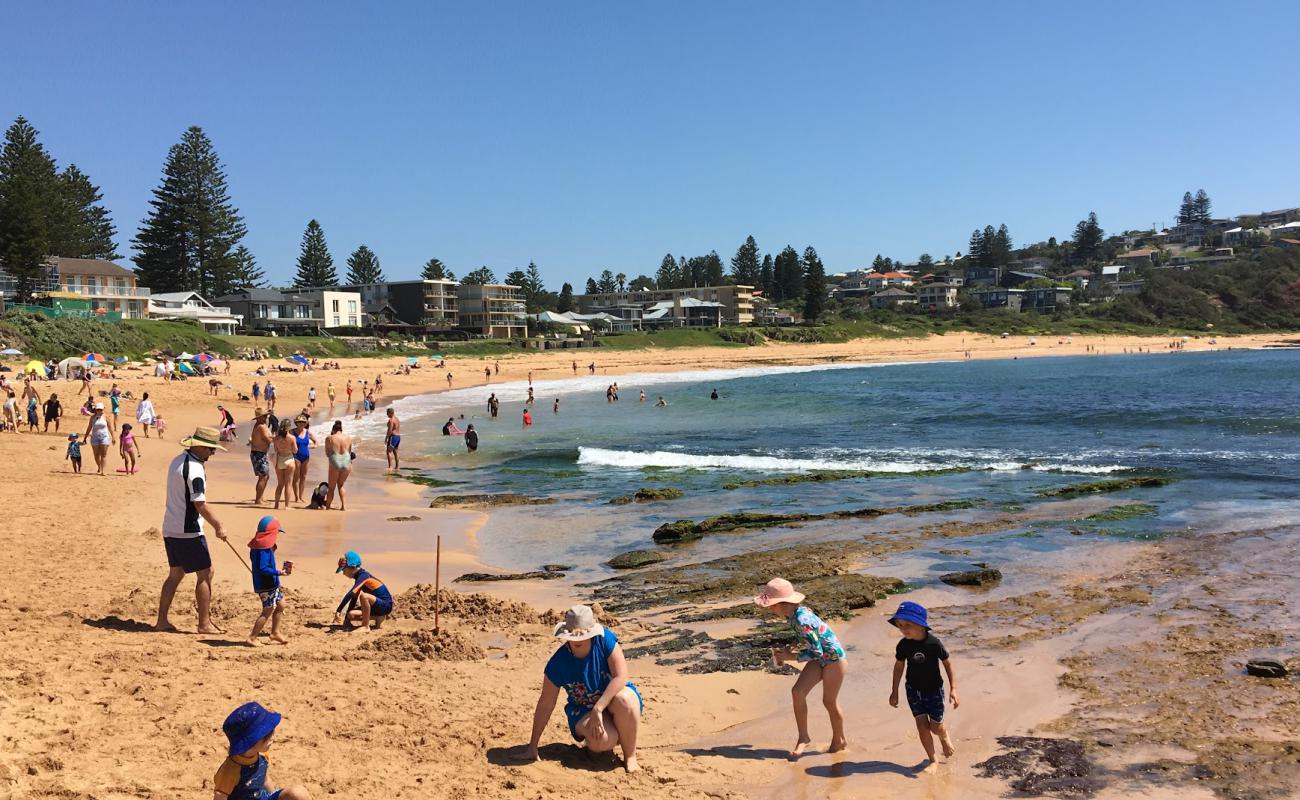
(297, 359)
(185, 356)
(185, 369)
(73, 367)
(9, 351)
(35, 366)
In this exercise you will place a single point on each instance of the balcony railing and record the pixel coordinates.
(104, 291)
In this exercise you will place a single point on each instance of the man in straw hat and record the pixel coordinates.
(187, 508)
(604, 708)
(259, 442)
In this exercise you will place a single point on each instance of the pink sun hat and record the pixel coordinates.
(778, 590)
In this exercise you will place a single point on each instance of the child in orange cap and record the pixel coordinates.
(266, 579)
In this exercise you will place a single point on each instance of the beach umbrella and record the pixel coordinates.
(410, 359)
(9, 351)
(34, 366)
(96, 357)
(204, 358)
(298, 359)
(185, 355)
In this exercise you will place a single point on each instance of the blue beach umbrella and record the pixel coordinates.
(9, 351)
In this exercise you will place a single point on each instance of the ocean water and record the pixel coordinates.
(1224, 426)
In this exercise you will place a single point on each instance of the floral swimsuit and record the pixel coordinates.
(820, 643)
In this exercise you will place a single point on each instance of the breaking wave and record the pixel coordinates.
(640, 459)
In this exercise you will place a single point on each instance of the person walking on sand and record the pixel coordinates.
(99, 436)
(286, 465)
(266, 579)
(603, 708)
(129, 450)
(347, 389)
(182, 529)
(487, 374)
(144, 414)
(329, 392)
(448, 380)
(257, 393)
(259, 443)
(338, 451)
(920, 652)
(311, 399)
(821, 654)
(392, 439)
(53, 412)
(303, 440)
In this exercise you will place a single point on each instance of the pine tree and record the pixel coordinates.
(246, 274)
(28, 204)
(566, 298)
(1000, 252)
(187, 241)
(620, 281)
(765, 275)
(315, 264)
(1087, 238)
(977, 255)
(713, 269)
(814, 303)
(606, 282)
(435, 271)
(84, 228)
(788, 275)
(744, 264)
(925, 261)
(642, 283)
(533, 283)
(479, 277)
(517, 278)
(666, 277)
(592, 287)
(1187, 211)
(1201, 207)
(363, 267)
(878, 263)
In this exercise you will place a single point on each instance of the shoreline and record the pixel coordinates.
(79, 657)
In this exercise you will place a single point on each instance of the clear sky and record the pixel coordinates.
(591, 135)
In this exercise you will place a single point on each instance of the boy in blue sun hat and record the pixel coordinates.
(242, 776)
(266, 578)
(920, 652)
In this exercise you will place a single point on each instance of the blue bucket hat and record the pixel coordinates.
(349, 559)
(248, 725)
(914, 613)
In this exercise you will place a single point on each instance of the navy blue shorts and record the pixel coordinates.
(925, 704)
(189, 554)
(381, 607)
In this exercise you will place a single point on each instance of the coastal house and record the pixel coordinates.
(1080, 278)
(736, 301)
(936, 296)
(1115, 272)
(425, 303)
(999, 297)
(1137, 258)
(301, 311)
(1039, 264)
(891, 297)
(192, 307)
(1287, 244)
(1015, 277)
(104, 285)
(1279, 217)
(1046, 299)
(495, 310)
(1289, 230)
(684, 312)
(983, 276)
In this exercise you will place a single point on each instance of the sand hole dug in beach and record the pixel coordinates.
(423, 645)
(483, 611)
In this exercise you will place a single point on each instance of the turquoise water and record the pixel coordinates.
(1225, 426)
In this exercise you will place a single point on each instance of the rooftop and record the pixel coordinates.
(89, 266)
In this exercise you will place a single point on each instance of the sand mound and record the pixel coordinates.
(474, 608)
(424, 646)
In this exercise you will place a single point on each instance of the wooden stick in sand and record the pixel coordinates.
(437, 584)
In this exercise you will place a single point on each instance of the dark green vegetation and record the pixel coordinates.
(838, 475)
(685, 530)
(647, 495)
(1119, 513)
(1102, 487)
(487, 500)
(425, 480)
(637, 558)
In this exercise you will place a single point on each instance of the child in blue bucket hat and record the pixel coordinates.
(920, 652)
(243, 774)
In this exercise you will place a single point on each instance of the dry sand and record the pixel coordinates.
(93, 704)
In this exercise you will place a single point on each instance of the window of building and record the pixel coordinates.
(336, 306)
(303, 312)
(352, 307)
(336, 318)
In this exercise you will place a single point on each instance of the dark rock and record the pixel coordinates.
(406, 518)
(685, 530)
(636, 558)
(1038, 766)
(647, 495)
(481, 577)
(1101, 487)
(972, 577)
(1266, 668)
(486, 500)
(556, 567)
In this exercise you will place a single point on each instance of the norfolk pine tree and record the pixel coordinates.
(479, 277)
(363, 267)
(744, 264)
(1201, 207)
(566, 298)
(187, 241)
(434, 270)
(814, 304)
(592, 287)
(315, 264)
(765, 275)
(245, 274)
(28, 204)
(1087, 237)
(666, 277)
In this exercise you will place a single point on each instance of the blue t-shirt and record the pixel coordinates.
(265, 575)
(585, 680)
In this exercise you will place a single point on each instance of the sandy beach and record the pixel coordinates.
(93, 704)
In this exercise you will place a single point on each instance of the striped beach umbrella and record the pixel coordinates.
(96, 357)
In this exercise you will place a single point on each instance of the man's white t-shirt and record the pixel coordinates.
(181, 520)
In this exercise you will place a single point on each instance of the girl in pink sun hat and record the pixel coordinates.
(821, 654)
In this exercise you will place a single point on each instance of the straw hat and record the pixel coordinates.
(203, 437)
(579, 625)
(778, 590)
(259, 412)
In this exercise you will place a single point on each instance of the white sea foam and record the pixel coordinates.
(639, 459)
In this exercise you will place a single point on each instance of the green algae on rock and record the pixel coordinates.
(647, 495)
(685, 530)
(1100, 487)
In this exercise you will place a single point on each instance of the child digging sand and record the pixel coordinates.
(368, 592)
(242, 776)
(266, 579)
(922, 652)
(823, 659)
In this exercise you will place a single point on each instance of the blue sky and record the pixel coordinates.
(586, 136)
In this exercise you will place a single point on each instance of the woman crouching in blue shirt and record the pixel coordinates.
(821, 654)
(604, 708)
